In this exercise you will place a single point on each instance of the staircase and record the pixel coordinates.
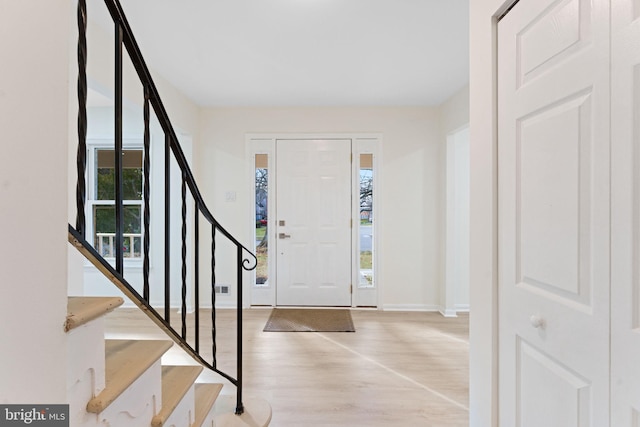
(123, 383)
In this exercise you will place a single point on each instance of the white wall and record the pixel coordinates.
(33, 193)
(183, 112)
(454, 112)
(412, 183)
(483, 297)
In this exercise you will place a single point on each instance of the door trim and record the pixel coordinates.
(456, 278)
(483, 338)
(265, 295)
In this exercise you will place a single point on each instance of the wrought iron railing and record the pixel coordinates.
(245, 260)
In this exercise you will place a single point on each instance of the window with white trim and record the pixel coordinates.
(366, 234)
(101, 201)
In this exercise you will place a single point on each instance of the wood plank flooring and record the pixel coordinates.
(397, 369)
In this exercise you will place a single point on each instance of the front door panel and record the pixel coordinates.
(313, 222)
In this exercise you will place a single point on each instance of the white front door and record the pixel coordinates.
(313, 222)
(625, 212)
(553, 210)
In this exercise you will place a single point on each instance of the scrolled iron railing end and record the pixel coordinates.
(249, 264)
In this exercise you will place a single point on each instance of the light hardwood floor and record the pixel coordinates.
(397, 369)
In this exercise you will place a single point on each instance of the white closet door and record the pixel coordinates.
(625, 199)
(553, 209)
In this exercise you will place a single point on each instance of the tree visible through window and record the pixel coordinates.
(366, 221)
(262, 199)
(103, 203)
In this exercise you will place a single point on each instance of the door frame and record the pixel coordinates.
(361, 143)
(483, 267)
(456, 278)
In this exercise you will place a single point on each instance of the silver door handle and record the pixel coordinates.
(283, 236)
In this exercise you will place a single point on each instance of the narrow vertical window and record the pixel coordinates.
(366, 221)
(262, 214)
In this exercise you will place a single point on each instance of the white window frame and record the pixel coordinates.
(367, 296)
(93, 145)
(263, 294)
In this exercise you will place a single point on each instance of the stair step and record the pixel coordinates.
(81, 310)
(125, 361)
(176, 382)
(206, 395)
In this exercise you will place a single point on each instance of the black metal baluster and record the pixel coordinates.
(125, 39)
(146, 195)
(213, 293)
(167, 228)
(81, 158)
(239, 405)
(184, 255)
(119, 240)
(196, 274)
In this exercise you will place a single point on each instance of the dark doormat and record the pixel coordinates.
(309, 320)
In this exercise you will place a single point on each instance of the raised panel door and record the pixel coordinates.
(553, 214)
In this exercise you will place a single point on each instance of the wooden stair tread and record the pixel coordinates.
(81, 310)
(87, 251)
(125, 361)
(206, 395)
(176, 382)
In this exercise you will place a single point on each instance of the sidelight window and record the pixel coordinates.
(366, 221)
(262, 215)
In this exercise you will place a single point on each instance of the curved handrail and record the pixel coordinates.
(117, 14)
(124, 36)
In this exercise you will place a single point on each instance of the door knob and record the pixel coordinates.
(536, 321)
(283, 236)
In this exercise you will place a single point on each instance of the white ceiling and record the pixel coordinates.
(306, 52)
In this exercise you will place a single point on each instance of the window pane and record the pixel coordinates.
(366, 220)
(131, 175)
(261, 235)
(104, 220)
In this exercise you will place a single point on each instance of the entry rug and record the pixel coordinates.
(309, 320)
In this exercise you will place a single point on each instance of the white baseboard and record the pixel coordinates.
(448, 312)
(462, 307)
(410, 307)
(221, 304)
(226, 304)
